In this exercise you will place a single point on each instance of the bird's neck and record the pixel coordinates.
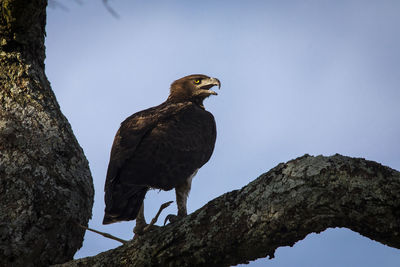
(195, 100)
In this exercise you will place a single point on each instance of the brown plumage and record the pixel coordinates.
(160, 147)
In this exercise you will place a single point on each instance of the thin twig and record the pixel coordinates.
(154, 220)
(55, 4)
(103, 234)
(110, 9)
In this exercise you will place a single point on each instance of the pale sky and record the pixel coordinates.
(316, 77)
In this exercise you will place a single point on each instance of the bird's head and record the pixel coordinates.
(195, 87)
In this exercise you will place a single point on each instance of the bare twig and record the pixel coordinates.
(107, 235)
(55, 4)
(154, 220)
(110, 9)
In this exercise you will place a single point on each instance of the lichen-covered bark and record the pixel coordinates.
(282, 206)
(45, 182)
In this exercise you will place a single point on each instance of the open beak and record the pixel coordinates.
(209, 83)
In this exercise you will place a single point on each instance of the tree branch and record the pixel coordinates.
(106, 235)
(281, 207)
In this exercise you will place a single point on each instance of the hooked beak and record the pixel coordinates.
(209, 83)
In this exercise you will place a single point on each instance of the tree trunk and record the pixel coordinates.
(45, 181)
(282, 206)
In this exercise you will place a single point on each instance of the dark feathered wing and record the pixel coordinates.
(156, 148)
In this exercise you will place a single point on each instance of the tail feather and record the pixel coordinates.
(123, 203)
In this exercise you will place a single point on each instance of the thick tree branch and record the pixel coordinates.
(282, 206)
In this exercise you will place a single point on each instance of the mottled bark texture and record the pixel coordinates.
(45, 182)
(282, 206)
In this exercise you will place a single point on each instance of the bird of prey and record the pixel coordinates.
(161, 147)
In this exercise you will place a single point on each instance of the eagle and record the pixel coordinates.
(160, 148)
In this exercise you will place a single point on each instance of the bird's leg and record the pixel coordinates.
(140, 222)
(182, 193)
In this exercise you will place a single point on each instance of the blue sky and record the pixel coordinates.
(317, 77)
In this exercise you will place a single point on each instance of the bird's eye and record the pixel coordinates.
(197, 81)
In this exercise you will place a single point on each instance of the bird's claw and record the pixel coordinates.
(143, 229)
(171, 218)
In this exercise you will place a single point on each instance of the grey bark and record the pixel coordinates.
(45, 181)
(282, 206)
